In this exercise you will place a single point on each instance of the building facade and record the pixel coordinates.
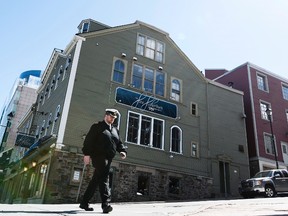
(262, 90)
(171, 121)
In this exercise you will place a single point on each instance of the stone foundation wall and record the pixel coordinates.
(124, 182)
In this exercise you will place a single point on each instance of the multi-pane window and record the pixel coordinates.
(60, 71)
(119, 71)
(263, 107)
(150, 48)
(148, 79)
(66, 67)
(175, 90)
(145, 130)
(160, 83)
(194, 149)
(269, 146)
(262, 82)
(85, 27)
(176, 139)
(284, 149)
(285, 91)
(57, 113)
(49, 121)
(43, 126)
(194, 109)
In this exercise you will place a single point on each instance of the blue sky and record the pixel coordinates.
(212, 33)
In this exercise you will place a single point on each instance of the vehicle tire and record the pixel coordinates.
(269, 191)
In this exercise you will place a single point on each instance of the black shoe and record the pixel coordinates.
(86, 207)
(107, 209)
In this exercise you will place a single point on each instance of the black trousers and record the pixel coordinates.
(100, 178)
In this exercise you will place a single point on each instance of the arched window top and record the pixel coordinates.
(175, 84)
(119, 65)
(118, 74)
(176, 90)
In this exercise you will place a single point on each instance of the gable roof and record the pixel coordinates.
(137, 24)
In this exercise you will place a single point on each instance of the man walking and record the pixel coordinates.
(100, 145)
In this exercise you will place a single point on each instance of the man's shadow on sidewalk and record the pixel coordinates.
(48, 212)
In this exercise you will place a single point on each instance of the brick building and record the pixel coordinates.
(262, 90)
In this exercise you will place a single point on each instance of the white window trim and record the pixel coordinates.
(181, 89)
(125, 70)
(286, 86)
(196, 104)
(139, 131)
(265, 80)
(268, 105)
(181, 140)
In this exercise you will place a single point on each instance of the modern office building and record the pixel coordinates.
(264, 91)
(185, 134)
(21, 96)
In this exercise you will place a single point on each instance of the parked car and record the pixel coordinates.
(268, 183)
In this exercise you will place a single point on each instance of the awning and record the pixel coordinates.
(39, 144)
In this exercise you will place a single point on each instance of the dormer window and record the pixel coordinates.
(85, 27)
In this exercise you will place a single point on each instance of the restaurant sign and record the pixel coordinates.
(146, 102)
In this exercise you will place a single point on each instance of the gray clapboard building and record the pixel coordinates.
(185, 134)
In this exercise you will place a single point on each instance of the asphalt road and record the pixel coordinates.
(243, 207)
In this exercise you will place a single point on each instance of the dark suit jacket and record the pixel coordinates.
(102, 142)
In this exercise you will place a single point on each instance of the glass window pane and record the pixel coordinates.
(133, 126)
(118, 75)
(157, 133)
(175, 139)
(151, 43)
(137, 76)
(145, 131)
(149, 53)
(160, 81)
(149, 80)
(264, 107)
(285, 92)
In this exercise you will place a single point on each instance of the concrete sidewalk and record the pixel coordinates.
(241, 207)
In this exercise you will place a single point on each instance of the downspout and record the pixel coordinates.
(253, 111)
(209, 167)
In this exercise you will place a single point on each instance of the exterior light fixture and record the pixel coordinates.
(135, 58)
(123, 55)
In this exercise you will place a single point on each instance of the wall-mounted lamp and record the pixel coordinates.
(135, 58)
(25, 169)
(160, 68)
(131, 85)
(34, 164)
(123, 55)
